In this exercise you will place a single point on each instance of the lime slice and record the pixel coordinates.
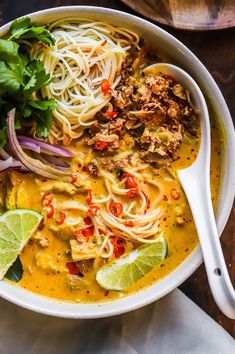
(16, 227)
(124, 272)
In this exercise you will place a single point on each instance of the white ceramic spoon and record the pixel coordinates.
(195, 181)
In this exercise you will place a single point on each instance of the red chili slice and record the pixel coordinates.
(164, 198)
(73, 269)
(100, 145)
(119, 249)
(93, 210)
(88, 232)
(61, 219)
(130, 183)
(74, 178)
(110, 114)
(47, 199)
(132, 193)
(119, 252)
(175, 194)
(87, 220)
(105, 87)
(169, 77)
(115, 208)
(129, 223)
(89, 196)
(51, 211)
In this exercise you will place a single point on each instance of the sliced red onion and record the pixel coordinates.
(5, 164)
(29, 145)
(58, 162)
(32, 164)
(40, 146)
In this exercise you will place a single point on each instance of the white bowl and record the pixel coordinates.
(187, 60)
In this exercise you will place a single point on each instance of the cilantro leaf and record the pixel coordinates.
(9, 79)
(22, 78)
(19, 25)
(38, 77)
(42, 110)
(8, 50)
(23, 29)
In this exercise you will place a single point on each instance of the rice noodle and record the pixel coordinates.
(85, 53)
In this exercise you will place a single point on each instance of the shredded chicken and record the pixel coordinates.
(154, 109)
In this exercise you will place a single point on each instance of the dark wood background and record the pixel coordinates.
(216, 49)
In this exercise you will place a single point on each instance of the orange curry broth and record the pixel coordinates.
(181, 239)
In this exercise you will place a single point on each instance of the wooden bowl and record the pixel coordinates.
(187, 14)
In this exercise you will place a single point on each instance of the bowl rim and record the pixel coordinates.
(143, 297)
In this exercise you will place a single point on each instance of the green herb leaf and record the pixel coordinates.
(22, 29)
(42, 110)
(15, 273)
(9, 79)
(19, 25)
(38, 77)
(8, 51)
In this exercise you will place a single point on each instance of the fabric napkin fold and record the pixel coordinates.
(172, 325)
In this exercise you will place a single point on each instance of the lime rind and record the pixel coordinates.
(126, 271)
(16, 227)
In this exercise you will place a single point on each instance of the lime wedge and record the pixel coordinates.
(16, 227)
(123, 273)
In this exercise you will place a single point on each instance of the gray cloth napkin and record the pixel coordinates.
(172, 325)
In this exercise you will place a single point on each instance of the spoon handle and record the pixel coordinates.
(197, 190)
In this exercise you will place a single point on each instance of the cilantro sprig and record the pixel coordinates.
(21, 77)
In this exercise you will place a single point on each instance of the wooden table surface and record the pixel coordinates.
(216, 50)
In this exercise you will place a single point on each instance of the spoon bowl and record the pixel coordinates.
(195, 181)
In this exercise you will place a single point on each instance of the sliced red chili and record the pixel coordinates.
(164, 198)
(74, 178)
(73, 269)
(83, 235)
(47, 199)
(51, 211)
(132, 193)
(100, 145)
(119, 249)
(88, 232)
(119, 252)
(175, 194)
(87, 220)
(110, 114)
(61, 219)
(130, 183)
(93, 210)
(129, 223)
(105, 87)
(115, 208)
(169, 77)
(89, 196)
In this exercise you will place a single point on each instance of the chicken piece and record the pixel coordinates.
(41, 239)
(19, 192)
(63, 231)
(11, 195)
(76, 282)
(46, 262)
(60, 187)
(82, 251)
